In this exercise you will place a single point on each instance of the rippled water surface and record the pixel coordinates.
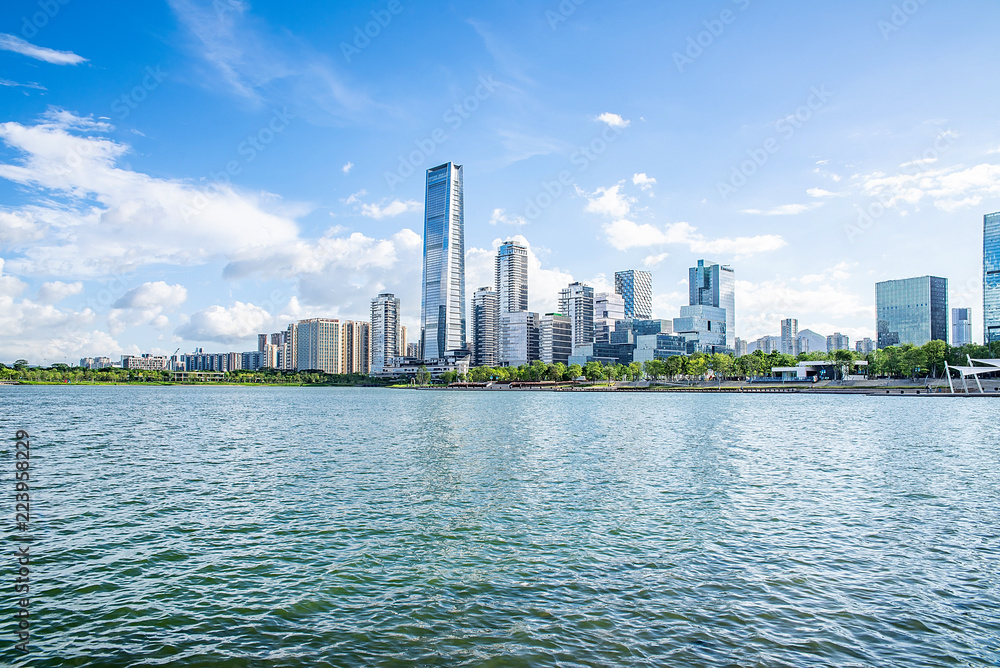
(358, 527)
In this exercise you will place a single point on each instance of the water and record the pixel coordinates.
(365, 527)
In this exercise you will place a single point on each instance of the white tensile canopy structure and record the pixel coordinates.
(988, 366)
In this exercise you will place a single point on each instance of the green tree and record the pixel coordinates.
(556, 372)
(593, 371)
(423, 375)
(573, 372)
(935, 352)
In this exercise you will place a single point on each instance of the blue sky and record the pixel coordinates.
(186, 174)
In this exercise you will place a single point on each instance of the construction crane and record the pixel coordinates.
(173, 362)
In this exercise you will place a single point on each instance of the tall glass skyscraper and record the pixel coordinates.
(991, 277)
(711, 284)
(636, 287)
(512, 277)
(961, 326)
(442, 305)
(911, 310)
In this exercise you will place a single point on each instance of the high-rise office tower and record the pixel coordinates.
(609, 307)
(555, 338)
(991, 277)
(790, 336)
(485, 327)
(911, 310)
(864, 346)
(442, 306)
(711, 284)
(636, 288)
(577, 302)
(518, 338)
(386, 331)
(961, 326)
(512, 277)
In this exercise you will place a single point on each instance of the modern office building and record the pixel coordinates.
(658, 346)
(911, 310)
(512, 277)
(519, 338)
(386, 331)
(485, 327)
(636, 289)
(577, 302)
(837, 341)
(864, 346)
(711, 284)
(609, 307)
(766, 344)
(790, 336)
(704, 328)
(961, 326)
(991, 277)
(555, 338)
(145, 362)
(442, 305)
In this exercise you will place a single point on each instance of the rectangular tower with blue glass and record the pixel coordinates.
(991, 277)
(442, 304)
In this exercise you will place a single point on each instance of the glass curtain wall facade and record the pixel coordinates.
(961, 326)
(911, 310)
(991, 277)
(442, 305)
(512, 277)
(485, 327)
(577, 302)
(711, 284)
(636, 288)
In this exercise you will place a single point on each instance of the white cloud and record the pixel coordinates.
(390, 210)
(53, 292)
(355, 198)
(153, 295)
(17, 227)
(821, 193)
(100, 218)
(235, 324)
(643, 181)
(784, 209)
(499, 217)
(947, 189)
(14, 84)
(613, 120)
(347, 168)
(608, 201)
(18, 45)
(993, 151)
(625, 234)
(762, 306)
(653, 260)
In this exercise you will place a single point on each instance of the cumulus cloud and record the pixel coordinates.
(18, 45)
(52, 292)
(347, 168)
(100, 218)
(500, 217)
(763, 305)
(643, 181)
(625, 234)
(391, 210)
(653, 260)
(144, 305)
(948, 189)
(235, 324)
(608, 201)
(613, 120)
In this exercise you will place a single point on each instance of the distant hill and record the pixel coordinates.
(817, 342)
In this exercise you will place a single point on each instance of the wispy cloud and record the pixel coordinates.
(18, 45)
(784, 209)
(500, 217)
(14, 84)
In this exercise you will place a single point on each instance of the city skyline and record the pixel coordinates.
(220, 169)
